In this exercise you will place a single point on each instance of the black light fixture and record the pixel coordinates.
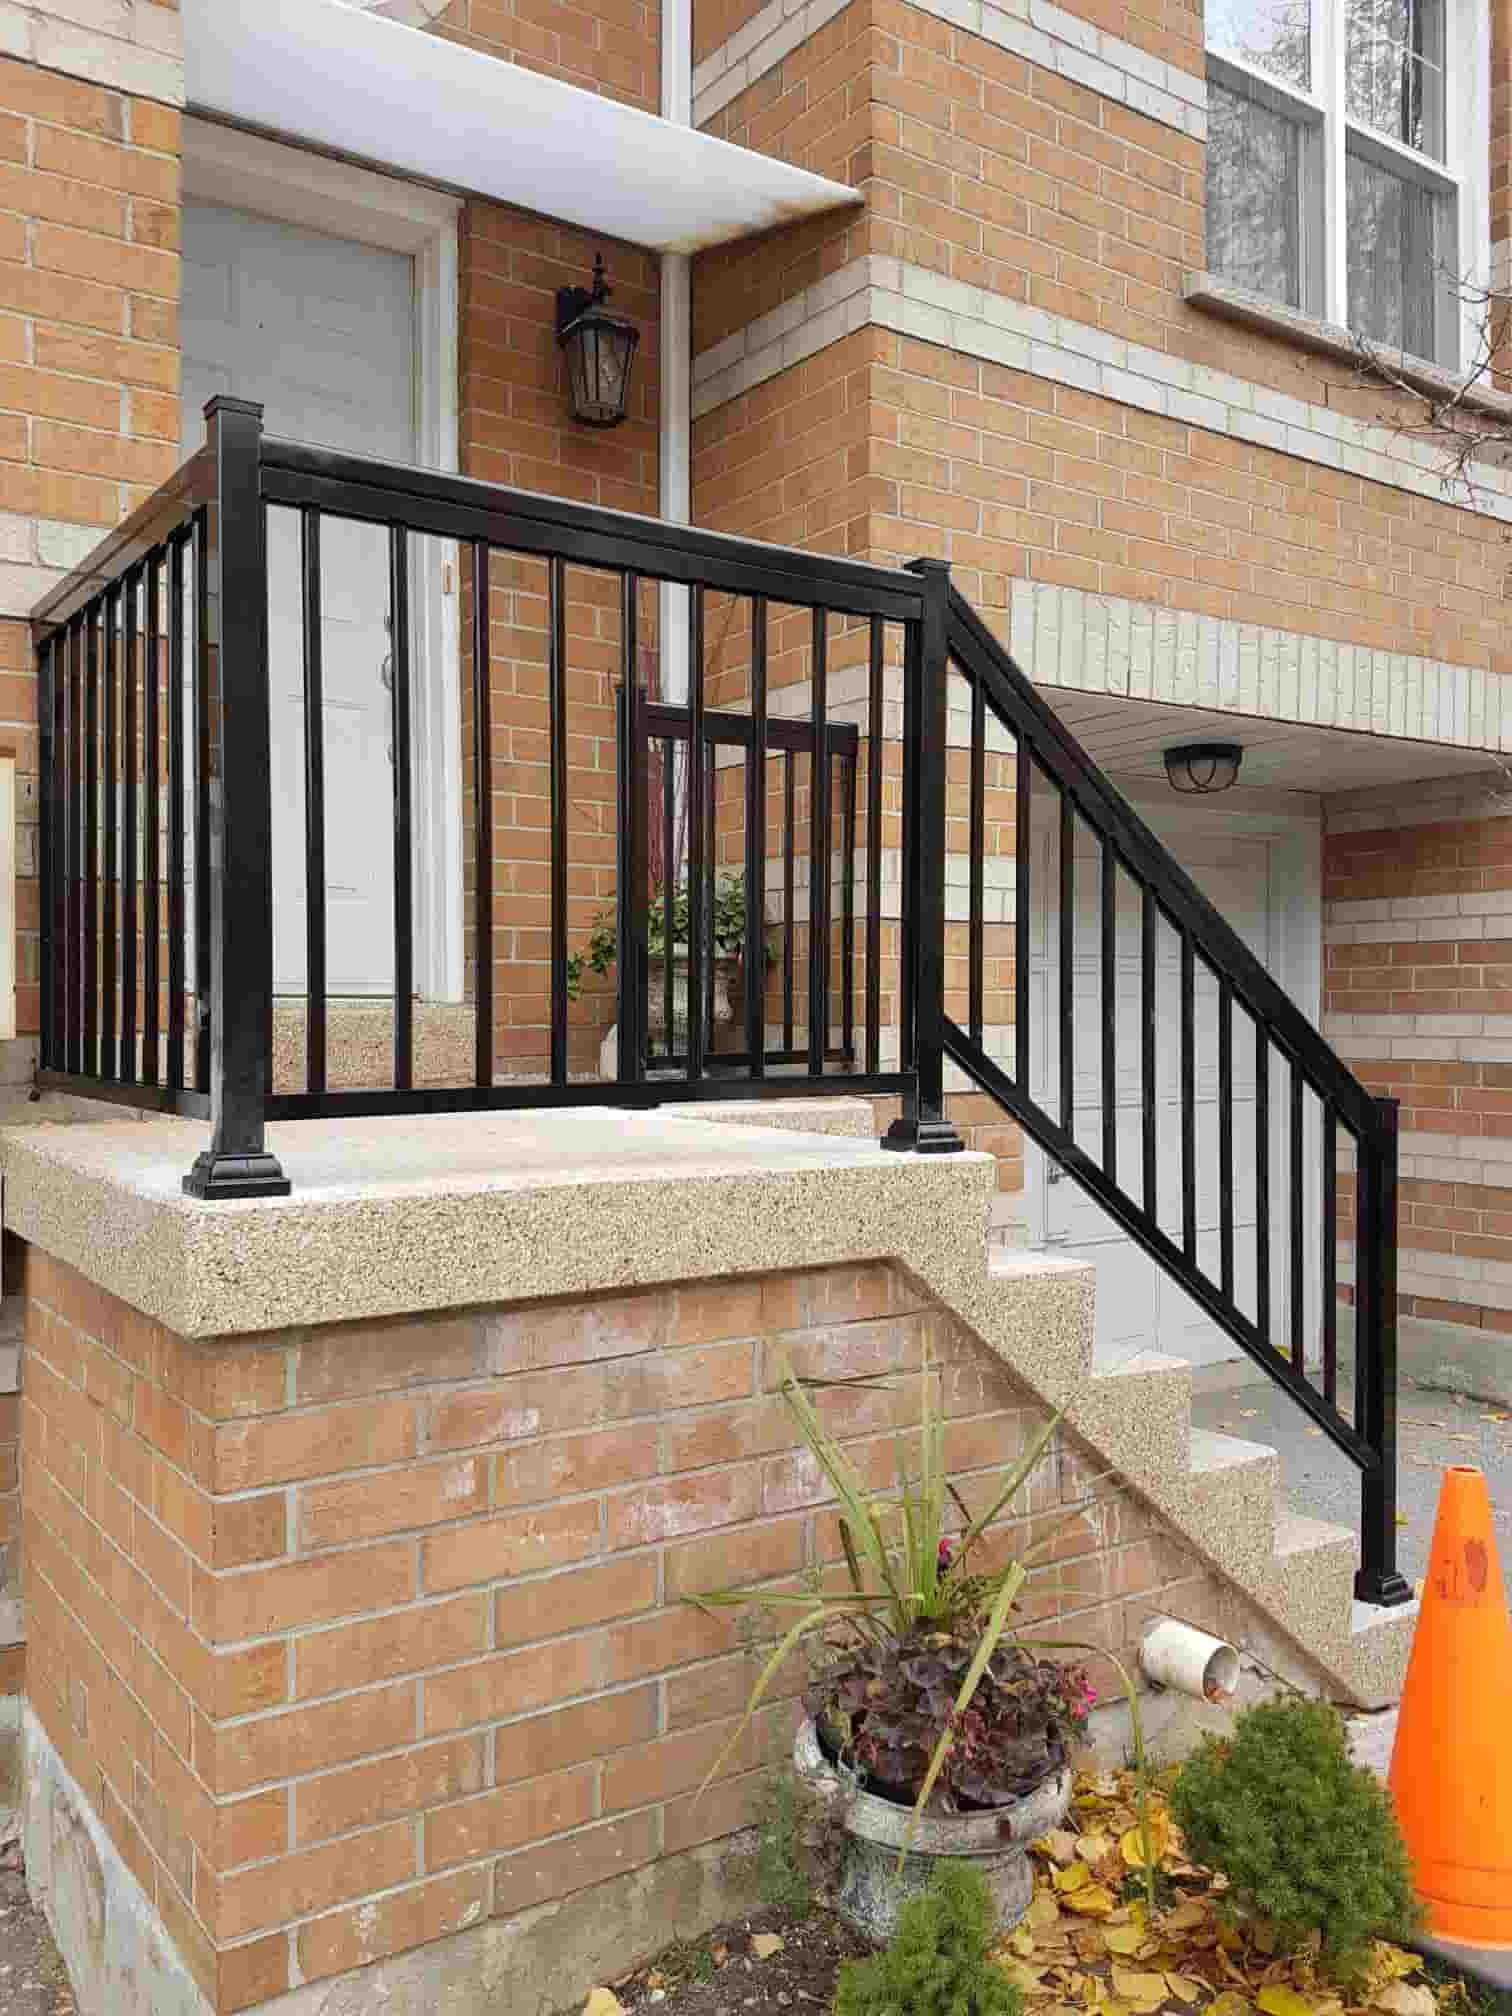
(600, 351)
(1200, 768)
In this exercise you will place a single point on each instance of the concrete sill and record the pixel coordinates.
(1328, 339)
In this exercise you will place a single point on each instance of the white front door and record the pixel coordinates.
(320, 330)
(1138, 1306)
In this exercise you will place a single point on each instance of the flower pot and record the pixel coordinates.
(725, 968)
(873, 1888)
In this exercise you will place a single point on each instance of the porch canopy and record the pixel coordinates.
(374, 90)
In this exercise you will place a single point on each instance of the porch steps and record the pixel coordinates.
(1221, 1494)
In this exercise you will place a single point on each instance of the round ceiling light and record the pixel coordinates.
(1200, 768)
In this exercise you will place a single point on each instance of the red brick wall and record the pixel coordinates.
(354, 1636)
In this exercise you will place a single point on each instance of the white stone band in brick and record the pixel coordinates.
(1108, 644)
(1037, 30)
(886, 293)
(126, 45)
(35, 554)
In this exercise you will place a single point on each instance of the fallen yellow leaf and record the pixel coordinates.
(1406, 1998)
(1125, 1938)
(1072, 1878)
(1183, 1987)
(1091, 1901)
(1140, 1988)
(1229, 2003)
(1279, 2001)
(1188, 1914)
(1143, 1845)
(1043, 1912)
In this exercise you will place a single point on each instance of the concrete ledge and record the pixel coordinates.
(392, 1217)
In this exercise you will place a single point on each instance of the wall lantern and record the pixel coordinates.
(1200, 768)
(600, 351)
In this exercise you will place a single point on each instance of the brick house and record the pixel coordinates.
(353, 1495)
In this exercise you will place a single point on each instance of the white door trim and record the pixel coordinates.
(246, 171)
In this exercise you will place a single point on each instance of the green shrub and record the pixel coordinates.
(1305, 1837)
(936, 1964)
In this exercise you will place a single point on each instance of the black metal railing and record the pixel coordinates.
(649, 713)
(1167, 969)
(157, 778)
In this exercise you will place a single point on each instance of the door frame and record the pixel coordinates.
(248, 171)
(1293, 823)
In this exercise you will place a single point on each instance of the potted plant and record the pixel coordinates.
(726, 924)
(935, 1728)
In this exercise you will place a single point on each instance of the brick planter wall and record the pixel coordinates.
(357, 1637)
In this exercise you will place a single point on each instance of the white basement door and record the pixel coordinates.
(321, 331)
(1138, 1306)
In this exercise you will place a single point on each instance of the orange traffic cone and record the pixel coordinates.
(1451, 1768)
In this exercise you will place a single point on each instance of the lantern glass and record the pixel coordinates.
(1198, 769)
(600, 353)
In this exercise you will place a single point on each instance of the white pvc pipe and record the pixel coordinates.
(1180, 1656)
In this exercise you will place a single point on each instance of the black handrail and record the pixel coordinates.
(1048, 758)
(157, 887)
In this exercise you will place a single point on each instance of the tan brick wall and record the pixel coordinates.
(354, 1636)
(609, 46)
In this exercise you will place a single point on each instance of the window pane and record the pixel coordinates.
(1253, 196)
(1274, 35)
(1395, 231)
(1394, 70)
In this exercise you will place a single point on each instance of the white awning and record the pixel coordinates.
(353, 83)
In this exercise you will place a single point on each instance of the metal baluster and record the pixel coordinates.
(1226, 1135)
(789, 848)
(1188, 1100)
(1377, 1580)
(633, 972)
(697, 865)
(74, 880)
(315, 819)
(755, 847)
(976, 843)
(200, 691)
(1148, 1112)
(404, 892)
(819, 849)
(111, 950)
(875, 748)
(848, 907)
(483, 845)
(152, 672)
(1262, 1181)
(1067, 981)
(668, 900)
(174, 1063)
(1298, 1341)
(556, 666)
(1109, 895)
(1023, 843)
(90, 952)
(49, 825)
(1330, 1255)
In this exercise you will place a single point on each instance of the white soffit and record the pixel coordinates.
(352, 82)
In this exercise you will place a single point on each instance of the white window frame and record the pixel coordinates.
(1462, 176)
(246, 171)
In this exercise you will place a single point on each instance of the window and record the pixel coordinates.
(1332, 183)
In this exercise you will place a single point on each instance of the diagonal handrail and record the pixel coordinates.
(1050, 759)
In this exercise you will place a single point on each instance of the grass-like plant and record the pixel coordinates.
(1306, 1837)
(926, 1679)
(936, 1963)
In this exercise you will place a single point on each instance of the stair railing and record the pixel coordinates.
(1331, 1179)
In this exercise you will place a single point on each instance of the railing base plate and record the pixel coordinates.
(923, 1137)
(1386, 1591)
(217, 1178)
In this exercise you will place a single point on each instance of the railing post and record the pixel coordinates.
(1377, 1580)
(234, 660)
(923, 1125)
